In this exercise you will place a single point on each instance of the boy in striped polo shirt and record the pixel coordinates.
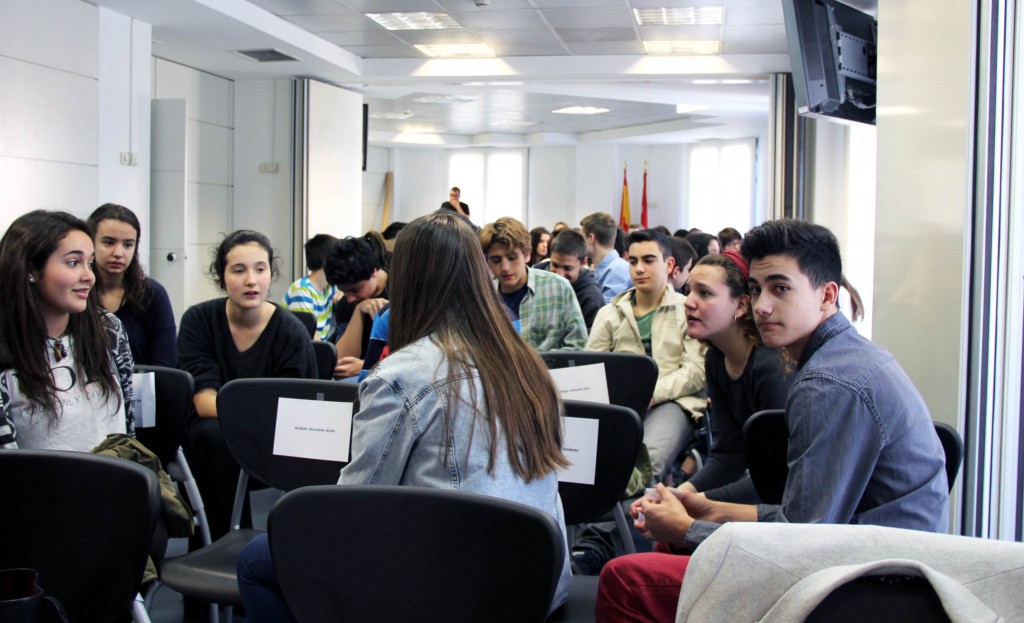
(312, 293)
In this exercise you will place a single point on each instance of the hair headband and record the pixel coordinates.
(740, 261)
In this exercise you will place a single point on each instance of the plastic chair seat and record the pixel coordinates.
(209, 573)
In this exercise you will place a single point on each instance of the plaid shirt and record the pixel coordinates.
(550, 316)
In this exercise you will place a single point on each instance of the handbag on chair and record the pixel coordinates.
(22, 600)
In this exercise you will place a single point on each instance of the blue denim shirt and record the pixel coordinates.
(862, 445)
(612, 274)
(398, 438)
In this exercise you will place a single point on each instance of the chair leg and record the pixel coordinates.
(139, 612)
(215, 614)
(625, 536)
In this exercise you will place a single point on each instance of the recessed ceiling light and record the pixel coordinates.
(392, 115)
(442, 99)
(682, 47)
(514, 123)
(682, 16)
(414, 21)
(456, 50)
(682, 109)
(580, 110)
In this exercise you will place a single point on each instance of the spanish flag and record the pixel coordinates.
(624, 215)
(643, 213)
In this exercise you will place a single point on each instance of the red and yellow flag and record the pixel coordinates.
(643, 213)
(624, 215)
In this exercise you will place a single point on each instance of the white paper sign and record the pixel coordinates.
(579, 445)
(144, 399)
(586, 383)
(313, 429)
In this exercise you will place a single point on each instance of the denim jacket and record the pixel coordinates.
(862, 445)
(398, 438)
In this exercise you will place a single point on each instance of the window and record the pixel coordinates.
(720, 185)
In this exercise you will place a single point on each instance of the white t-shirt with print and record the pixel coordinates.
(85, 417)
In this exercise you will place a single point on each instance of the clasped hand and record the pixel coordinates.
(668, 519)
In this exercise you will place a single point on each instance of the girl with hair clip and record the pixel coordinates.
(65, 364)
(460, 403)
(240, 336)
(140, 303)
(743, 375)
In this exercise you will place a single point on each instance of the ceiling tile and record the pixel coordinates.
(505, 37)
(597, 34)
(769, 39)
(336, 22)
(658, 4)
(360, 37)
(302, 7)
(529, 49)
(421, 37)
(591, 18)
(748, 16)
(680, 33)
(570, 4)
(605, 47)
(467, 5)
(500, 19)
(384, 51)
(393, 6)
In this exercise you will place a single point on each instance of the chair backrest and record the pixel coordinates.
(619, 436)
(953, 447)
(326, 359)
(247, 410)
(174, 391)
(766, 439)
(308, 321)
(83, 521)
(631, 378)
(387, 553)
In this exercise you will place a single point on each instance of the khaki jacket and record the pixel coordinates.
(680, 358)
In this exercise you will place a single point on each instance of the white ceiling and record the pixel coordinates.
(551, 54)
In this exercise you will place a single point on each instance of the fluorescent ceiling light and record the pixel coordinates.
(682, 16)
(513, 123)
(580, 110)
(414, 21)
(666, 48)
(457, 50)
(682, 109)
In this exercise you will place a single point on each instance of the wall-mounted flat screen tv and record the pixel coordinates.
(833, 48)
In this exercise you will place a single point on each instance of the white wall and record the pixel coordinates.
(551, 186)
(207, 212)
(262, 198)
(49, 69)
(420, 182)
(924, 160)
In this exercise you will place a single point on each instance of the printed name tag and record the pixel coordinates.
(579, 445)
(586, 383)
(313, 429)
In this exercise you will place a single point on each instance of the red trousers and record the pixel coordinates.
(641, 587)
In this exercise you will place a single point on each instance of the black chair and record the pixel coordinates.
(766, 437)
(326, 359)
(620, 435)
(247, 411)
(953, 446)
(388, 553)
(631, 378)
(84, 522)
(308, 321)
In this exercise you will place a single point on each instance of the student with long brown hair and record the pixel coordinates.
(460, 403)
(65, 364)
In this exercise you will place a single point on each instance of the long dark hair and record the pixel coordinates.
(25, 248)
(440, 286)
(137, 291)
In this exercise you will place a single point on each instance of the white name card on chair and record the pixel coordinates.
(579, 445)
(586, 383)
(313, 429)
(144, 399)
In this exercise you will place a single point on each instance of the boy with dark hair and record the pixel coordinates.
(862, 445)
(543, 302)
(684, 257)
(730, 238)
(650, 319)
(568, 250)
(313, 293)
(356, 267)
(610, 270)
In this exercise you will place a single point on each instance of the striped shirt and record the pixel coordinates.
(303, 296)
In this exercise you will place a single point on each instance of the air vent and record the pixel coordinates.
(265, 56)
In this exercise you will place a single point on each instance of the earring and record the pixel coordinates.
(31, 279)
